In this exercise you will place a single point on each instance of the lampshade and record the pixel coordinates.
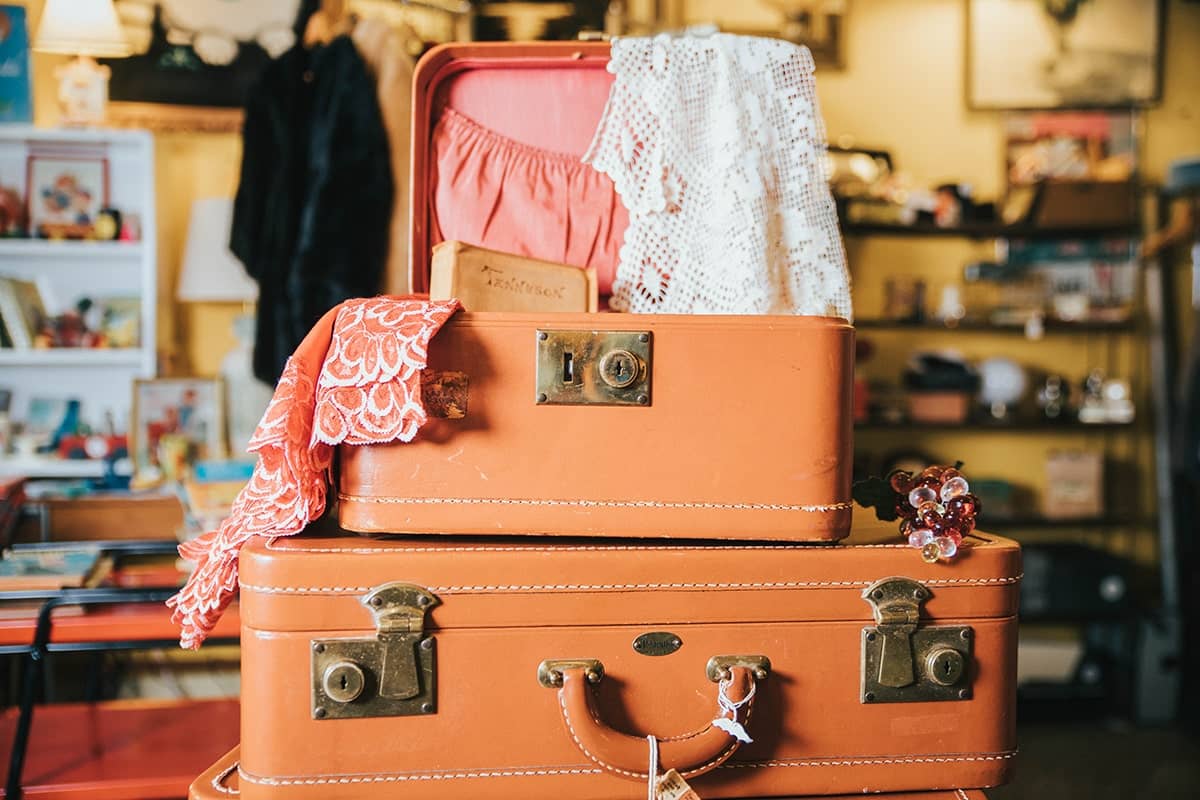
(81, 27)
(211, 273)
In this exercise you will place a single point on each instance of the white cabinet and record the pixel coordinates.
(120, 274)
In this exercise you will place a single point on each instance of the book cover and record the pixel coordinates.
(15, 94)
(55, 568)
(23, 311)
(488, 280)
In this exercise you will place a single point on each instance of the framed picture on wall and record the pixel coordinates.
(194, 60)
(175, 423)
(1041, 54)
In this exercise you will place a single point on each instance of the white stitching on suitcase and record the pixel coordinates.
(560, 587)
(961, 795)
(858, 762)
(295, 548)
(405, 777)
(218, 782)
(505, 501)
(533, 772)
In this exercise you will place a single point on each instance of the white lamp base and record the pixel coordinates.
(82, 91)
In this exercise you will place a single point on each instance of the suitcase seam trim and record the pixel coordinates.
(270, 545)
(218, 781)
(841, 505)
(404, 777)
(301, 590)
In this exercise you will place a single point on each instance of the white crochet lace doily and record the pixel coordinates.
(716, 146)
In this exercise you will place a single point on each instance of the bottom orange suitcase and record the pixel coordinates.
(500, 669)
(221, 782)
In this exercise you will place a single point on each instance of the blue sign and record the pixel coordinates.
(16, 104)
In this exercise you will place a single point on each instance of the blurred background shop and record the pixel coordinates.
(1016, 183)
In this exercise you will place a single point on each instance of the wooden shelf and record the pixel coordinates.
(988, 230)
(63, 250)
(1026, 426)
(1048, 326)
(71, 357)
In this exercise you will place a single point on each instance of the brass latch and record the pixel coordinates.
(392, 674)
(903, 661)
(602, 368)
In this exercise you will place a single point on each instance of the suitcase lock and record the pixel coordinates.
(593, 368)
(392, 674)
(903, 661)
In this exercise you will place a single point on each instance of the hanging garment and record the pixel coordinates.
(314, 202)
(355, 378)
(716, 146)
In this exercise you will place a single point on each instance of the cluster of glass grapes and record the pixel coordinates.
(936, 510)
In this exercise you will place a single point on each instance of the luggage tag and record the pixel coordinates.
(672, 786)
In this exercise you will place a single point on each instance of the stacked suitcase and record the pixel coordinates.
(576, 585)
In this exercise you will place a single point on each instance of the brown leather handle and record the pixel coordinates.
(693, 753)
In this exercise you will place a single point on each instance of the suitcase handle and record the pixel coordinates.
(689, 754)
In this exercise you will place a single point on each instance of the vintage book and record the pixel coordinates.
(55, 568)
(488, 280)
(22, 310)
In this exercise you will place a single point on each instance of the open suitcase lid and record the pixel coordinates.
(516, 90)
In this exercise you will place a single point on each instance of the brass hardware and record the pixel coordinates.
(718, 667)
(391, 674)
(343, 681)
(903, 661)
(593, 368)
(657, 643)
(944, 665)
(550, 671)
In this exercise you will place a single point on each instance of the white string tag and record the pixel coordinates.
(674, 787)
(730, 723)
(652, 772)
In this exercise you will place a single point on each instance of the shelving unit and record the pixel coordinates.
(1126, 528)
(67, 270)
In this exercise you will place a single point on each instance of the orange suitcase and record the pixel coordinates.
(502, 668)
(615, 425)
(221, 782)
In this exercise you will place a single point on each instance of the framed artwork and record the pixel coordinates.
(16, 104)
(174, 423)
(819, 25)
(1040, 54)
(65, 194)
(194, 61)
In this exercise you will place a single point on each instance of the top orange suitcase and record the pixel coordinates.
(734, 427)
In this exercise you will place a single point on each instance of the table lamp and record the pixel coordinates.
(212, 274)
(87, 29)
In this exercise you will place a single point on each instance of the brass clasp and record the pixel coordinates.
(391, 674)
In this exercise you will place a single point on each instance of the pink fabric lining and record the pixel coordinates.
(496, 192)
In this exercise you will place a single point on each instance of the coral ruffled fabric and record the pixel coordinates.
(355, 379)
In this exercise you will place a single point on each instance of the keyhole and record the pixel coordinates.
(568, 368)
(946, 669)
(344, 683)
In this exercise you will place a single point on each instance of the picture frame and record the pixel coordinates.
(175, 422)
(194, 61)
(64, 194)
(1033, 54)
